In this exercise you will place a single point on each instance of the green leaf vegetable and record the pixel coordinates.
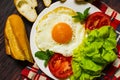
(82, 16)
(44, 55)
(96, 51)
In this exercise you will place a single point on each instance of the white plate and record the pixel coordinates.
(70, 4)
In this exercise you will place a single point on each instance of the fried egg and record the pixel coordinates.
(59, 32)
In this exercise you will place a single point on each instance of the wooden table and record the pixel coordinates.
(9, 68)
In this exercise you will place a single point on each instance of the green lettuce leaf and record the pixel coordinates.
(96, 51)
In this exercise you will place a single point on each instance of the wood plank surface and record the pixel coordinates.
(10, 68)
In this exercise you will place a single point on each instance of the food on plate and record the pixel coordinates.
(60, 66)
(16, 40)
(81, 48)
(96, 51)
(96, 20)
(47, 2)
(62, 33)
(82, 16)
(27, 8)
(44, 55)
(59, 32)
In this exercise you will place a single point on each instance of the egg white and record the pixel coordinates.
(44, 28)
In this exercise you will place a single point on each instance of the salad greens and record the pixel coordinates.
(96, 51)
(44, 55)
(82, 16)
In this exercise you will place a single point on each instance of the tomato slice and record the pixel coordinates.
(60, 66)
(97, 20)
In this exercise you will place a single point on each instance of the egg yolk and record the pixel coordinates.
(62, 33)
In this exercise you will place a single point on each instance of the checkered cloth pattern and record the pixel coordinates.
(112, 72)
(33, 73)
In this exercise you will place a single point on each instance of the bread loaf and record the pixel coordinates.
(27, 9)
(16, 40)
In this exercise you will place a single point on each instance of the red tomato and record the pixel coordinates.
(97, 20)
(60, 66)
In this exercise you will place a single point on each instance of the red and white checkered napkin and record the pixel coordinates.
(33, 73)
(112, 72)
